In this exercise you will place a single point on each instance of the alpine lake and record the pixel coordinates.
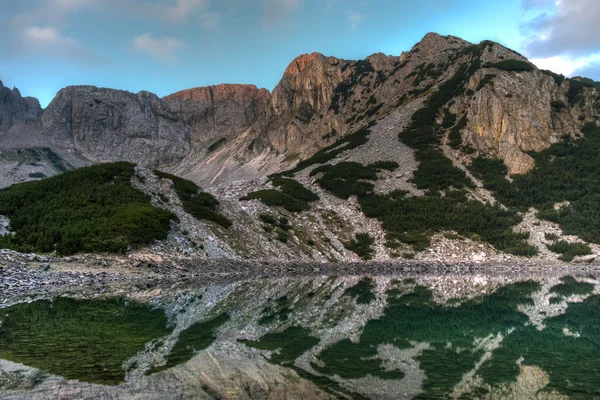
(455, 335)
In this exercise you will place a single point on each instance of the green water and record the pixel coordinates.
(102, 341)
(82, 340)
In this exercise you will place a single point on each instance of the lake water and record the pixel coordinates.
(463, 336)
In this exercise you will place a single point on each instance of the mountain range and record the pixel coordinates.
(444, 116)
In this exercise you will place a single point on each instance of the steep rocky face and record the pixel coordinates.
(300, 100)
(307, 85)
(107, 125)
(507, 113)
(510, 113)
(513, 116)
(219, 111)
(15, 109)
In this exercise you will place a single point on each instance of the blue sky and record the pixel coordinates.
(168, 45)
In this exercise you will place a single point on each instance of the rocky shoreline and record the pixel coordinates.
(27, 277)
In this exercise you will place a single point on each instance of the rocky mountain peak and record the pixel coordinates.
(105, 124)
(15, 109)
(219, 111)
(381, 61)
(307, 85)
(302, 62)
(433, 43)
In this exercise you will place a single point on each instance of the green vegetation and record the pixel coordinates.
(350, 361)
(199, 204)
(422, 72)
(283, 236)
(293, 196)
(79, 339)
(511, 65)
(348, 178)
(413, 317)
(449, 120)
(569, 251)
(558, 78)
(291, 343)
(588, 82)
(570, 287)
(455, 135)
(330, 135)
(413, 220)
(280, 312)
(328, 153)
(294, 189)
(576, 92)
(55, 160)
(424, 135)
(341, 93)
(550, 236)
(361, 246)
(191, 340)
(275, 198)
(487, 78)
(558, 106)
(436, 172)
(268, 219)
(216, 145)
(90, 209)
(387, 165)
(565, 171)
(362, 291)
(554, 352)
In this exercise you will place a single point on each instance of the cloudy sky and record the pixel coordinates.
(167, 45)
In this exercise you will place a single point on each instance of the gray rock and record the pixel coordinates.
(107, 125)
(15, 109)
(585, 259)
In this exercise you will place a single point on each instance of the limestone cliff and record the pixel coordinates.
(219, 111)
(512, 113)
(506, 113)
(108, 125)
(15, 109)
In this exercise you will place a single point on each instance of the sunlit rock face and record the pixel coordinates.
(232, 132)
(380, 337)
(221, 111)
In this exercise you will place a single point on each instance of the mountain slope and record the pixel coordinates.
(408, 156)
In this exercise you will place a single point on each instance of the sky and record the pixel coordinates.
(164, 46)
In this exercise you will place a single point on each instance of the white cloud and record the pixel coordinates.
(354, 19)
(163, 49)
(46, 40)
(572, 28)
(567, 65)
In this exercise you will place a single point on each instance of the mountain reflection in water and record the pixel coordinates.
(377, 337)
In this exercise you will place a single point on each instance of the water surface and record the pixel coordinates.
(383, 337)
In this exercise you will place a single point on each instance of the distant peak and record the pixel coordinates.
(219, 92)
(434, 42)
(300, 63)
